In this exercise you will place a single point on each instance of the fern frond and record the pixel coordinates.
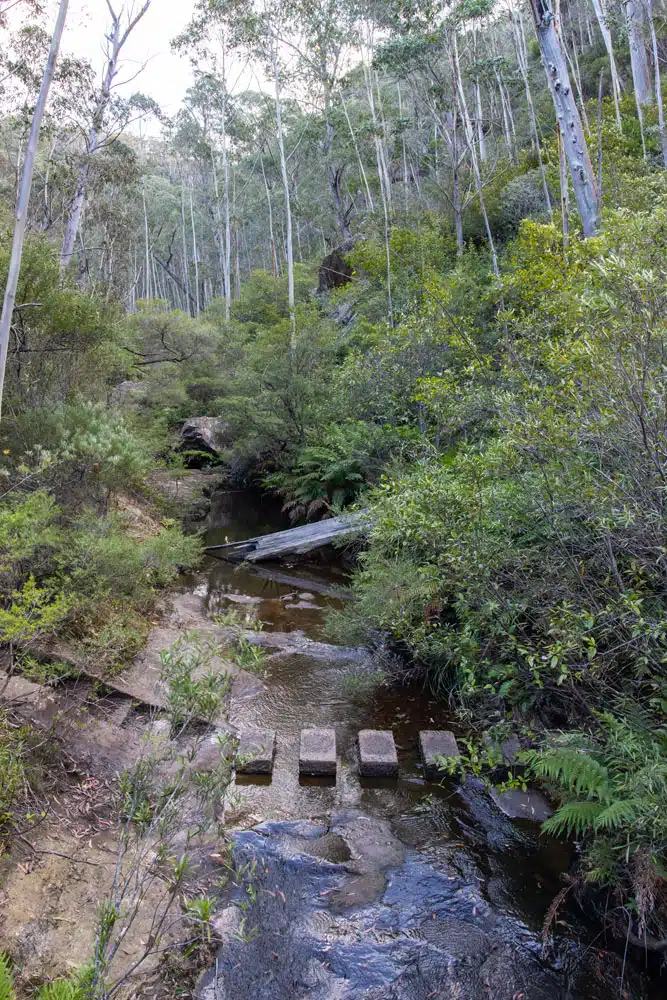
(578, 772)
(573, 818)
(6, 978)
(617, 814)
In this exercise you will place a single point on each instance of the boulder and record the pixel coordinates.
(206, 434)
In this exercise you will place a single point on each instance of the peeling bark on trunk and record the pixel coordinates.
(569, 120)
(641, 76)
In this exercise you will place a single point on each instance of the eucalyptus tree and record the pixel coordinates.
(109, 115)
(24, 195)
(567, 114)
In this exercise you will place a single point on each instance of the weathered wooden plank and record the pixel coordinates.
(293, 541)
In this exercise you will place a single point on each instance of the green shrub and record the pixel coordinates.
(12, 771)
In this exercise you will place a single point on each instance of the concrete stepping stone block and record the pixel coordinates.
(256, 751)
(434, 744)
(317, 754)
(377, 754)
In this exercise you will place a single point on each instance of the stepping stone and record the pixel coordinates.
(317, 755)
(377, 754)
(256, 750)
(434, 744)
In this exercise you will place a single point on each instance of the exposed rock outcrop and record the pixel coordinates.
(209, 435)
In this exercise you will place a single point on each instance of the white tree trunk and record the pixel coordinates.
(147, 257)
(641, 77)
(24, 196)
(601, 14)
(186, 266)
(225, 192)
(195, 257)
(367, 190)
(288, 206)
(569, 120)
(658, 83)
(467, 125)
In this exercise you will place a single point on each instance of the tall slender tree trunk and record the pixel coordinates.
(569, 120)
(522, 60)
(406, 179)
(362, 172)
(195, 256)
(147, 259)
(641, 77)
(658, 83)
(467, 125)
(186, 266)
(24, 195)
(479, 119)
(225, 191)
(288, 206)
(601, 14)
(272, 238)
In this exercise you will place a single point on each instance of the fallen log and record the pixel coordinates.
(293, 541)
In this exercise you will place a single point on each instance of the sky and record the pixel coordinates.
(166, 76)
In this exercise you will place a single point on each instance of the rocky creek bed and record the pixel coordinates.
(361, 888)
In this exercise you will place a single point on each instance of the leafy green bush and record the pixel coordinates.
(527, 564)
(12, 772)
(81, 574)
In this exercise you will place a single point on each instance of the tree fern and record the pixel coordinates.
(6, 979)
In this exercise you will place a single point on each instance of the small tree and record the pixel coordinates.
(24, 196)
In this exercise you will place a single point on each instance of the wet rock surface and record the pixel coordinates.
(425, 931)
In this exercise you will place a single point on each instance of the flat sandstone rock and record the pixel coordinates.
(434, 744)
(317, 754)
(518, 804)
(256, 751)
(377, 754)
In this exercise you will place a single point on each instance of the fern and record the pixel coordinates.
(576, 771)
(60, 989)
(617, 814)
(6, 978)
(573, 818)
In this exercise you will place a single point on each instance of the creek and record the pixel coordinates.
(372, 888)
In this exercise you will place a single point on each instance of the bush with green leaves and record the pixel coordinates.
(527, 563)
(12, 768)
(81, 575)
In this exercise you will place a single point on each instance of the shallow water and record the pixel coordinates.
(460, 853)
